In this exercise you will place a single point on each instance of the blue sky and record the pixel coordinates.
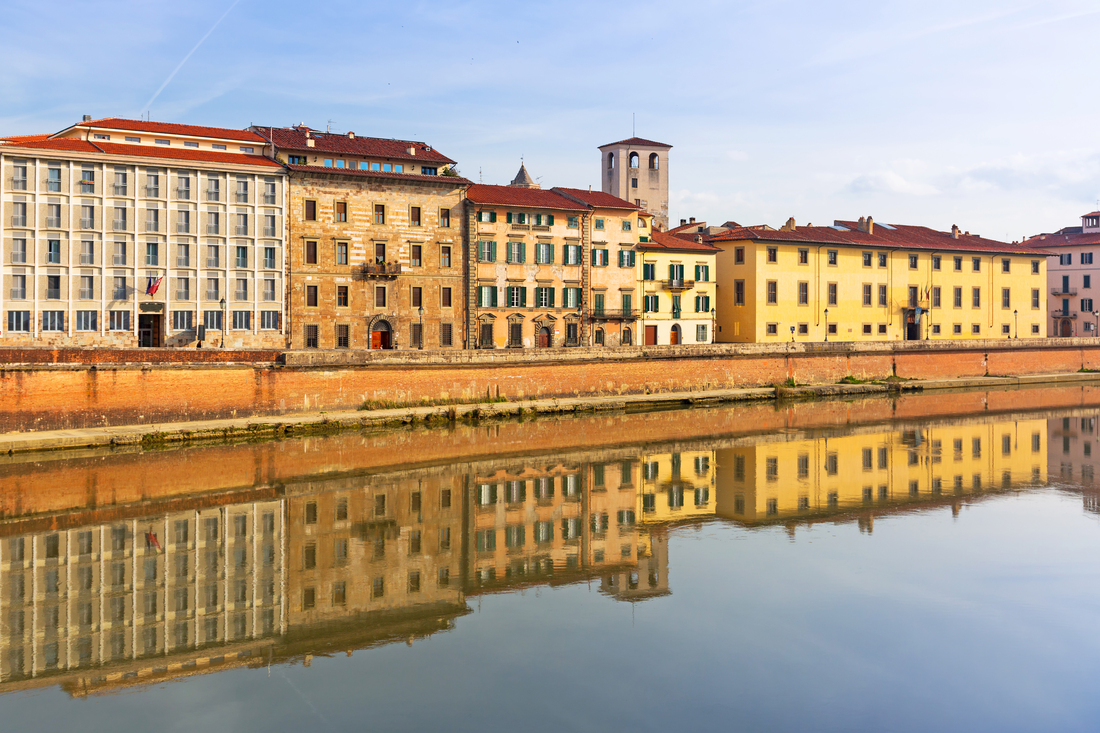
(981, 114)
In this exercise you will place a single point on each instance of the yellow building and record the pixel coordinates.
(862, 281)
(678, 289)
(780, 480)
(676, 487)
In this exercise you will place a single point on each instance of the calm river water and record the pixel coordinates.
(912, 564)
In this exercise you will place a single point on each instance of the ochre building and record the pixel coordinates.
(677, 284)
(375, 242)
(865, 281)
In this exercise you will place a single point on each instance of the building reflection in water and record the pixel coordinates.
(285, 571)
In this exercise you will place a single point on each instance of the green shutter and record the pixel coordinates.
(523, 252)
(493, 297)
(492, 251)
(509, 217)
(550, 219)
(493, 216)
(550, 251)
(523, 297)
(551, 293)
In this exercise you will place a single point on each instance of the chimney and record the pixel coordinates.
(310, 142)
(683, 222)
(411, 150)
(789, 226)
(870, 225)
(861, 224)
(87, 118)
(351, 134)
(954, 232)
(692, 220)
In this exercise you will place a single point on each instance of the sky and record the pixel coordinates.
(981, 114)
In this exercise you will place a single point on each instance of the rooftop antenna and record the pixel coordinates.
(479, 180)
(328, 127)
(633, 124)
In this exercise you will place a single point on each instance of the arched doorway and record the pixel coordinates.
(1066, 329)
(544, 338)
(625, 339)
(674, 335)
(381, 335)
(599, 337)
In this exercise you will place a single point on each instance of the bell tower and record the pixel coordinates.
(637, 170)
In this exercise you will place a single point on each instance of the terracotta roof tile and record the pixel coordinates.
(438, 180)
(171, 128)
(638, 141)
(1062, 239)
(665, 242)
(143, 151)
(595, 199)
(891, 236)
(25, 138)
(537, 198)
(294, 138)
(1092, 213)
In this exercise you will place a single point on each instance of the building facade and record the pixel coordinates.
(1071, 272)
(678, 290)
(375, 242)
(636, 170)
(862, 281)
(129, 233)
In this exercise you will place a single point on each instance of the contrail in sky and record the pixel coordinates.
(190, 53)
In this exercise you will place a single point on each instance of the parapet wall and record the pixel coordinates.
(66, 395)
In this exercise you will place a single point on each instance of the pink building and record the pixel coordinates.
(1073, 308)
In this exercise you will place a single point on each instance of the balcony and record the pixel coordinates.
(213, 262)
(1063, 291)
(1064, 314)
(269, 198)
(183, 261)
(152, 226)
(269, 231)
(120, 189)
(53, 222)
(19, 184)
(540, 228)
(380, 270)
(152, 192)
(87, 223)
(213, 194)
(242, 197)
(183, 192)
(520, 228)
(242, 231)
(678, 284)
(87, 186)
(120, 225)
(19, 221)
(183, 227)
(613, 314)
(676, 313)
(211, 228)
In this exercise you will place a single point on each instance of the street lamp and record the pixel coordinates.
(713, 326)
(420, 310)
(222, 304)
(1096, 315)
(1016, 317)
(826, 324)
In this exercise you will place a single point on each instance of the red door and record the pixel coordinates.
(650, 335)
(544, 338)
(674, 336)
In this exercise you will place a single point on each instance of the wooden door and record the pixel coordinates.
(674, 336)
(650, 335)
(376, 339)
(544, 338)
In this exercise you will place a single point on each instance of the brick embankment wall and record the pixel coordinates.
(70, 396)
(10, 356)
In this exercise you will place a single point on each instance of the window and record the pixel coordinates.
(445, 334)
(649, 271)
(269, 258)
(380, 296)
(53, 252)
(341, 254)
(936, 259)
(1086, 305)
(181, 320)
(831, 256)
(53, 320)
(544, 297)
(311, 336)
(53, 287)
(701, 333)
(958, 264)
(311, 210)
(242, 320)
(803, 256)
(119, 321)
(957, 328)
(913, 296)
(311, 296)
(772, 329)
(599, 258)
(976, 297)
(19, 251)
(868, 259)
(445, 256)
(912, 262)
(599, 224)
(341, 295)
(738, 292)
(269, 320)
(739, 255)
(414, 216)
(867, 295)
(1006, 264)
(1035, 298)
(936, 296)
(773, 292)
(803, 293)
(486, 296)
(1035, 267)
(517, 252)
(53, 180)
(241, 292)
(343, 335)
(311, 253)
(544, 253)
(773, 254)
(832, 293)
(975, 329)
(976, 263)
(417, 300)
(19, 321)
(1087, 284)
(1006, 297)
(626, 258)
(650, 304)
(212, 320)
(120, 289)
(516, 297)
(702, 303)
(341, 211)
(626, 225)
(86, 320)
(379, 213)
(958, 297)
(702, 273)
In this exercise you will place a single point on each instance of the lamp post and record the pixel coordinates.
(420, 310)
(1016, 317)
(713, 325)
(1096, 315)
(826, 324)
(222, 304)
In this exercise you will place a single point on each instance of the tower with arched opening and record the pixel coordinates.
(637, 170)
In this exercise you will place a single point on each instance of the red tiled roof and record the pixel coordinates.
(438, 180)
(689, 225)
(25, 138)
(893, 236)
(639, 141)
(143, 151)
(171, 128)
(293, 138)
(1063, 239)
(481, 193)
(595, 199)
(665, 242)
(1092, 213)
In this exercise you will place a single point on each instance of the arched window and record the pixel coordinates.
(599, 337)
(634, 160)
(610, 161)
(654, 162)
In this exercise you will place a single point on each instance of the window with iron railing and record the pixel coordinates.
(183, 255)
(87, 181)
(269, 192)
(87, 253)
(213, 190)
(213, 256)
(183, 222)
(269, 258)
(53, 180)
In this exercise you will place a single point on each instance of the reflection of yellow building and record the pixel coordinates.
(676, 487)
(782, 480)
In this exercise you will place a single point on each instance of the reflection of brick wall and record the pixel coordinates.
(34, 399)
